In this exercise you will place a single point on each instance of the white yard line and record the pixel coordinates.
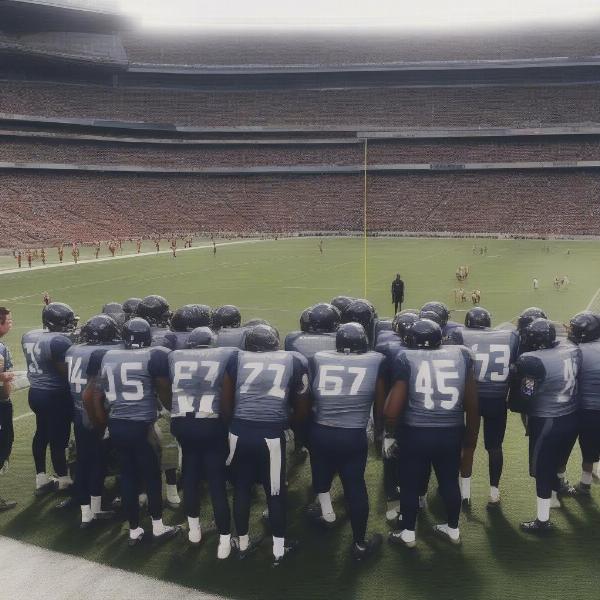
(593, 300)
(123, 256)
(33, 573)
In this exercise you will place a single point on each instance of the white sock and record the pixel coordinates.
(596, 468)
(278, 546)
(172, 494)
(494, 494)
(64, 481)
(408, 536)
(134, 534)
(224, 548)
(543, 509)
(465, 487)
(244, 542)
(86, 513)
(195, 532)
(422, 501)
(96, 504)
(326, 507)
(41, 479)
(158, 527)
(586, 477)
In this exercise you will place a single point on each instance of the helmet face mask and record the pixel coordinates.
(59, 317)
(478, 318)
(424, 334)
(137, 334)
(262, 338)
(351, 338)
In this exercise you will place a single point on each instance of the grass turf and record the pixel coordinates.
(276, 280)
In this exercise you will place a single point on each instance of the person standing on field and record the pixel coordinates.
(6, 407)
(397, 293)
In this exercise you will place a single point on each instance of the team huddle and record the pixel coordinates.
(138, 380)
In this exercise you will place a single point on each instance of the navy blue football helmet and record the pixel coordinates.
(226, 316)
(59, 317)
(528, 315)
(253, 322)
(262, 338)
(155, 310)
(478, 318)
(112, 307)
(342, 302)
(425, 333)
(584, 327)
(402, 322)
(539, 334)
(201, 337)
(137, 334)
(359, 311)
(101, 329)
(130, 306)
(435, 311)
(324, 318)
(305, 324)
(351, 339)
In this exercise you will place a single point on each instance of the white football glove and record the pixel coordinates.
(389, 446)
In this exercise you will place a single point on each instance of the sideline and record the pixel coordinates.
(593, 300)
(34, 573)
(124, 256)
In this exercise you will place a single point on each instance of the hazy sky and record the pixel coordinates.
(354, 13)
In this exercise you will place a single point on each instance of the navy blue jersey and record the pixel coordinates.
(159, 336)
(231, 337)
(264, 382)
(196, 377)
(448, 328)
(390, 346)
(436, 382)
(589, 376)
(6, 364)
(494, 351)
(548, 380)
(344, 387)
(126, 377)
(386, 335)
(77, 359)
(175, 340)
(308, 344)
(42, 350)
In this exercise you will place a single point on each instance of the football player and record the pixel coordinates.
(401, 324)
(130, 307)
(116, 312)
(99, 334)
(183, 322)
(49, 396)
(440, 314)
(342, 302)
(346, 383)
(268, 383)
(584, 329)
(433, 390)
(127, 380)
(226, 321)
(155, 310)
(6, 408)
(547, 380)
(318, 331)
(525, 318)
(200, 398)
(494, 351)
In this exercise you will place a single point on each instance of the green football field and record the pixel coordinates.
(276, 280)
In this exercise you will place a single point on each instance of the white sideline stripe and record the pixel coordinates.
(593, 300)
(65, 577)
(123, 256)
(23, 416)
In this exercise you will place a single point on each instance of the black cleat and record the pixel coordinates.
(104, 515)
(7, 504)
(536, 526)
(367, 549)
(583, 490)
(66, 503)
(253, 545)
(48, 487)
(465, 505)
(290, 547)
(136, 541)
(566, 489)
(171, 532)
(395, 539)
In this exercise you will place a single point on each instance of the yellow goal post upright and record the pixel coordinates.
(365, 218)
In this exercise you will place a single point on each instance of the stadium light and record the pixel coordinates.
(403, 14)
